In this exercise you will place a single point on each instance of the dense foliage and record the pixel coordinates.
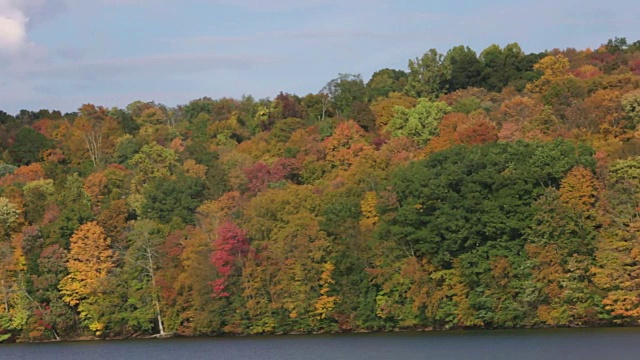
(492, 190)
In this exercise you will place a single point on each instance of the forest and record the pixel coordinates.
(490, 190)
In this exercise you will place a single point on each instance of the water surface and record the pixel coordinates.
(582, 344)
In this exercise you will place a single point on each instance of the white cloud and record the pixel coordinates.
(18, 16)
(13, 26)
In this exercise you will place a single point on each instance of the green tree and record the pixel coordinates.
(420, 123)
(166, 199)
(141, 274)
(37, 196)
(464, 197)
(344, 91)
(429, 75)
(506, 66)
(466, 68)
(75, 210)
(28, 146)
(385, 81)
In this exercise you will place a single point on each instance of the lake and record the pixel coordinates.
(582, 344)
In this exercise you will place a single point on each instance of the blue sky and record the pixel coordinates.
(59, 54)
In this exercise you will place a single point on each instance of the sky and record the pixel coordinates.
(60, 54)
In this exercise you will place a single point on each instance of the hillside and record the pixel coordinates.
(490, 190)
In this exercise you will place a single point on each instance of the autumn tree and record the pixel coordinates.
(90, 262)
(553, 68)
(384, 109)
(618, 249)
(230, 246)
(98, 131)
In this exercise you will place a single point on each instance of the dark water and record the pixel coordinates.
(582, 344)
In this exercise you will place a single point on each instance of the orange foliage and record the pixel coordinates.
(457, 128)
(579, 189)
(346, 144)
(478, 131)
(384, 109)
(519, 110)
(23, 174)
(95, 185)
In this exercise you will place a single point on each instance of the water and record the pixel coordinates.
(582, 344)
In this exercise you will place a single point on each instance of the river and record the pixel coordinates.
(582, 344)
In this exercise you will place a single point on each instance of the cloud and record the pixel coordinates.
(157, 64)
(291, 5)
(16, 18)
(13, 26)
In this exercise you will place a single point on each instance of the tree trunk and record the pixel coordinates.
(155, 292)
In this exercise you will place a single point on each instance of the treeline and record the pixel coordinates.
(470, 191)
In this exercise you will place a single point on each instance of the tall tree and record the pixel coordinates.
(466, 68)
(344, 91)
(385, 81)
(28, 146)
(90, 262)
(143, 264)
(428, 75)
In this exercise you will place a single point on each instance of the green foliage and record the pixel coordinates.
(28, 146)
(465, 197)
(344, 91)
(37, 195)
(420, 123)
(385, 81)
(75, 210)
(429, 75)
(127, 147)
(9, 215)
(336, 211)
(165, 199)
(6, 169)
(466, 68)
(631, 105)
(508, 66)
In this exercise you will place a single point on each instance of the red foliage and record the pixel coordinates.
(587, 72)
(479, 131)
(634, 66)
(230, 245)
(260, 175)
(287, 107)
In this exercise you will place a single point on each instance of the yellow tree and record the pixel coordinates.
(553, 68)
(617, 270)
(89, 263)
(9, 217)
(96, 131)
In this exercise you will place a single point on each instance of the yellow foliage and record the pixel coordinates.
(325, 303)
(578, 189)
(370, 215)
(90, 260)
(554, 68)
(192, 168)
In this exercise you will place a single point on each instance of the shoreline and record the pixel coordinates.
(230, 335)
